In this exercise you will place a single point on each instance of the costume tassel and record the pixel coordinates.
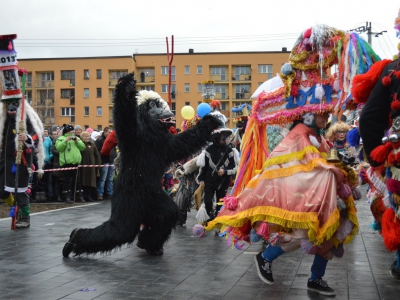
(230, 202)
(263, 230)
(10, 47)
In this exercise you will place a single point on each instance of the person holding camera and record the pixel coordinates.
(69, 147)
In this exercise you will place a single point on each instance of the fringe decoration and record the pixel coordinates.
(393, 186)
(202, 215)
(308, 247)
(276, 239)
(364, 83)
(282, 159)
(391, 230)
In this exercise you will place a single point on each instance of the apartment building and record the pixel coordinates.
(80, 90)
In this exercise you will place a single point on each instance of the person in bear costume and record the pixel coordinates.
(142, 122)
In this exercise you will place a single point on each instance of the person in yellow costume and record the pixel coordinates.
(298, 200)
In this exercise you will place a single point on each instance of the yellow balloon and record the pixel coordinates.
(187, 112)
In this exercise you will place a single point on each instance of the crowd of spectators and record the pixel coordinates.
(76, 168)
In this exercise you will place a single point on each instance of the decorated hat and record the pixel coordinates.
(308, 85)
(241, 112)
(67, 128)
(222, 128)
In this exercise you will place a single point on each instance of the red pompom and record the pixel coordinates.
(28, 150)
(307, 33)
(230, 203)
(398, 74)
(380, 153)
(386, 81)
(393, 186)
(28, 191)
(395, 105)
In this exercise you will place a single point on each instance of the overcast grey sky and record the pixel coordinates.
(81, 28)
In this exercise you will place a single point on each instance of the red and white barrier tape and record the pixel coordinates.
(74, 168)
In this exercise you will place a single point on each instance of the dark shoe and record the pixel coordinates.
(320, 286)
(264, 269)
(158, 252)
(23, 222)
(394, 271)
(89, 199)
(99, 198)
(69, 246)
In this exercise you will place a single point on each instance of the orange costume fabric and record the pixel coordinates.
(296, 189)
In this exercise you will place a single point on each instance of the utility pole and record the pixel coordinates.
(368, 29)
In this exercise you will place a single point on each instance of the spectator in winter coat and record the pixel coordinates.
(69, 146)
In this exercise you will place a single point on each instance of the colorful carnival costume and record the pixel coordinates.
(17, 119)
(292, 197)
(380, 89)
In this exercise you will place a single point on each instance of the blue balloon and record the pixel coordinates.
(203, 109)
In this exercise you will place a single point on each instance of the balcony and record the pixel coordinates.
(241, 77)
(112, 83)
(219, 78)
(221, 96)
(241, 96)
(45, 84)
(111, 98)
(146, 79)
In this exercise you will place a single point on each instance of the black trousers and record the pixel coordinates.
(210, 190)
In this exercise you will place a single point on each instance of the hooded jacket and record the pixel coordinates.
(70, 151)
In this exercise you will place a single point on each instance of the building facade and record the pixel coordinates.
(80, 90)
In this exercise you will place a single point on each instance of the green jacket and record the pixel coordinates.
(70, 152)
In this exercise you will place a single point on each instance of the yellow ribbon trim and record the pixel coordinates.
(282, 159)
(285, 172)
(284, 218)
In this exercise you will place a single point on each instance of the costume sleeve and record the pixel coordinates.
(203, 169)
(231, 168)
(374, 119)
(61, 144)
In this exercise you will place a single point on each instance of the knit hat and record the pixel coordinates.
(77, 127)
(85, 134)
(54, 128)
(90, 130)
(95, 135)
(67, 128)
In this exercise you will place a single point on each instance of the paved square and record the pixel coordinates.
(32, 267)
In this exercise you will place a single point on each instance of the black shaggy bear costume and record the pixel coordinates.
(147, 148)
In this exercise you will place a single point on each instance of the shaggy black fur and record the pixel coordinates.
(147, 148)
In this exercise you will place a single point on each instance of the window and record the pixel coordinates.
(85, 93)
(164, 71)
(46, 94)
(223, 105)
(199, 69)
(86, 111)
(67, 93)
(117, 74)
(146, 88)
(99, 127)
(86, 74)
(187, 70)
(241, 90)
(67, 75)
(67, 111)
(29, 80)
(187, 103)
(199, 88)
(242, 70)
(187, 87)
(218, 70)
(86, 126)
(164, 88)
(28, 95)
(265, 69)
(173, 107)
(99, 111)
(221, 90)
(98, 74)
(46, 79)
(98, 92)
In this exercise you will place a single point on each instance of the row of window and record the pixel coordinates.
(69, 93)
(239, 70)
(218, 88)
(70, 111)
